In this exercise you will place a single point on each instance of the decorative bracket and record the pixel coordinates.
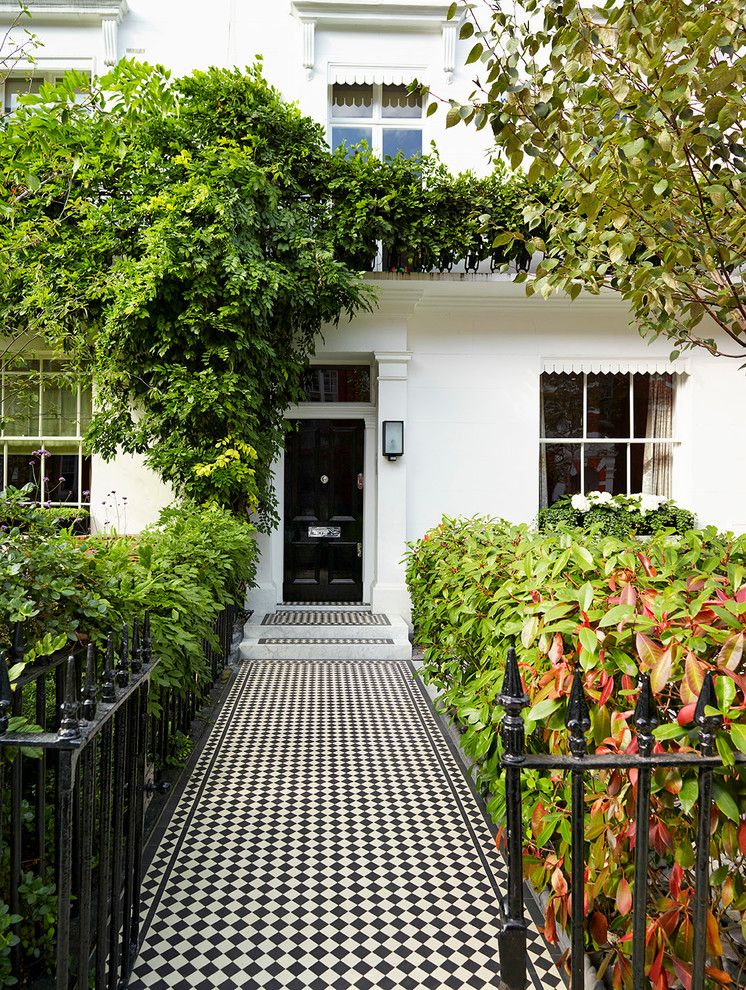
(449, 50)
(309, 47)
(110, 29)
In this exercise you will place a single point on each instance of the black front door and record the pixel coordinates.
(324, 511)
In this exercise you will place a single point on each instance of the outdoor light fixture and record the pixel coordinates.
(393, 438)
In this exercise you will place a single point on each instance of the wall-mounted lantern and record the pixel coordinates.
(393, 438)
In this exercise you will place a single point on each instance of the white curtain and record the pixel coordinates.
(543, 494)
(656, 469)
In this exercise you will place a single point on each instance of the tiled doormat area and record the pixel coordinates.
(327, 618)
(327, 839)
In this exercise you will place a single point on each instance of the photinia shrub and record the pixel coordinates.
(612, 608)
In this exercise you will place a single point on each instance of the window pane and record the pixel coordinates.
(15, 88)
(404, 140)
(351, 136)
(86, 409)
(608, 406)
(562, 405)
(23, 469)
(21, 410)
(59, 411)
(653, 397)
(398, 102)
(651, 466)
(561, 464)
(606, 468)
(342, 384)
(351, 100)
(61, 475)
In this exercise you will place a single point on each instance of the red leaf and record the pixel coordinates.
(647, 650)
(661, 672)
(647, 565)
(559, 883)
(742, 837)
(550, 926)
(684, 973)
(655, 970)
(731, 651)
(557, 648)
(599, 928)
(606, 692)
(628, 595)
(623, 897)
(675, 880)
(686, 715)
(714, 945)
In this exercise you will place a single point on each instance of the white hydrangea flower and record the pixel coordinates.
(604, 497)
(580, 503)
(649, 503)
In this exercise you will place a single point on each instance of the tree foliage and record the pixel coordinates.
(184, 242)
(169, 236)
(639, 110)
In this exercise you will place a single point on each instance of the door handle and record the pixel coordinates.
(359, 551)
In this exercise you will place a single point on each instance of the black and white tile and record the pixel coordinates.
(351, 617)
(329, 840)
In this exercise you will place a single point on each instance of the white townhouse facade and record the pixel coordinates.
(457, 394)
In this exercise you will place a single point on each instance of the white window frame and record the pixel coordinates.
(40, 440)
(585, 441)
(377, 122)
(46, 75)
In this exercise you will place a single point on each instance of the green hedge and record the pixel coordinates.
(184, 570)
(612, 608)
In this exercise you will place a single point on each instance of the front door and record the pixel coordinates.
(324, 511)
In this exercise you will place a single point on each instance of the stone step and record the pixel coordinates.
(312, 649)
(313, 634)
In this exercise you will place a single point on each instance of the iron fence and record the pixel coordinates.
(512, 939)
(72, 799)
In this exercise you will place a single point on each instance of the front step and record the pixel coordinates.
(303, 633)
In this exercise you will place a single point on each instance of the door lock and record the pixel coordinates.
(360, 482)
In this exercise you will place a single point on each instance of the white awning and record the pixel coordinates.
(386, 75)
(615, 366)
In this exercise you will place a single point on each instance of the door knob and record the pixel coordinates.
(324, 479)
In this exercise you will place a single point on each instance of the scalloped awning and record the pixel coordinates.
(616, 366)
(386, 75)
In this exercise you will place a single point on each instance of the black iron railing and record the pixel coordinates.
(512, 940)
(72, 797)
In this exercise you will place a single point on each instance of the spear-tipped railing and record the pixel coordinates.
(513, 698)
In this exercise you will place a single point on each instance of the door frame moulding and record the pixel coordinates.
(366, 412)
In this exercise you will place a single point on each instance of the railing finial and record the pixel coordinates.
(708, 724)
(123, 669)
(89, 691)
(646, 717)
(70, 724)
(578, 719)
(108, 689)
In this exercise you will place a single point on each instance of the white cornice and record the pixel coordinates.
(374, 13)
(76, 10)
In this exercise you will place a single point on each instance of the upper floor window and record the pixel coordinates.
(387, 117)
(339, 383)
(44, 417)
(606, 432)
(16, 86)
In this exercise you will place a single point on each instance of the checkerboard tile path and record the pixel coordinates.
(327, 839)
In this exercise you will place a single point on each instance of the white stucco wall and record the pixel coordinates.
(125, 495)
